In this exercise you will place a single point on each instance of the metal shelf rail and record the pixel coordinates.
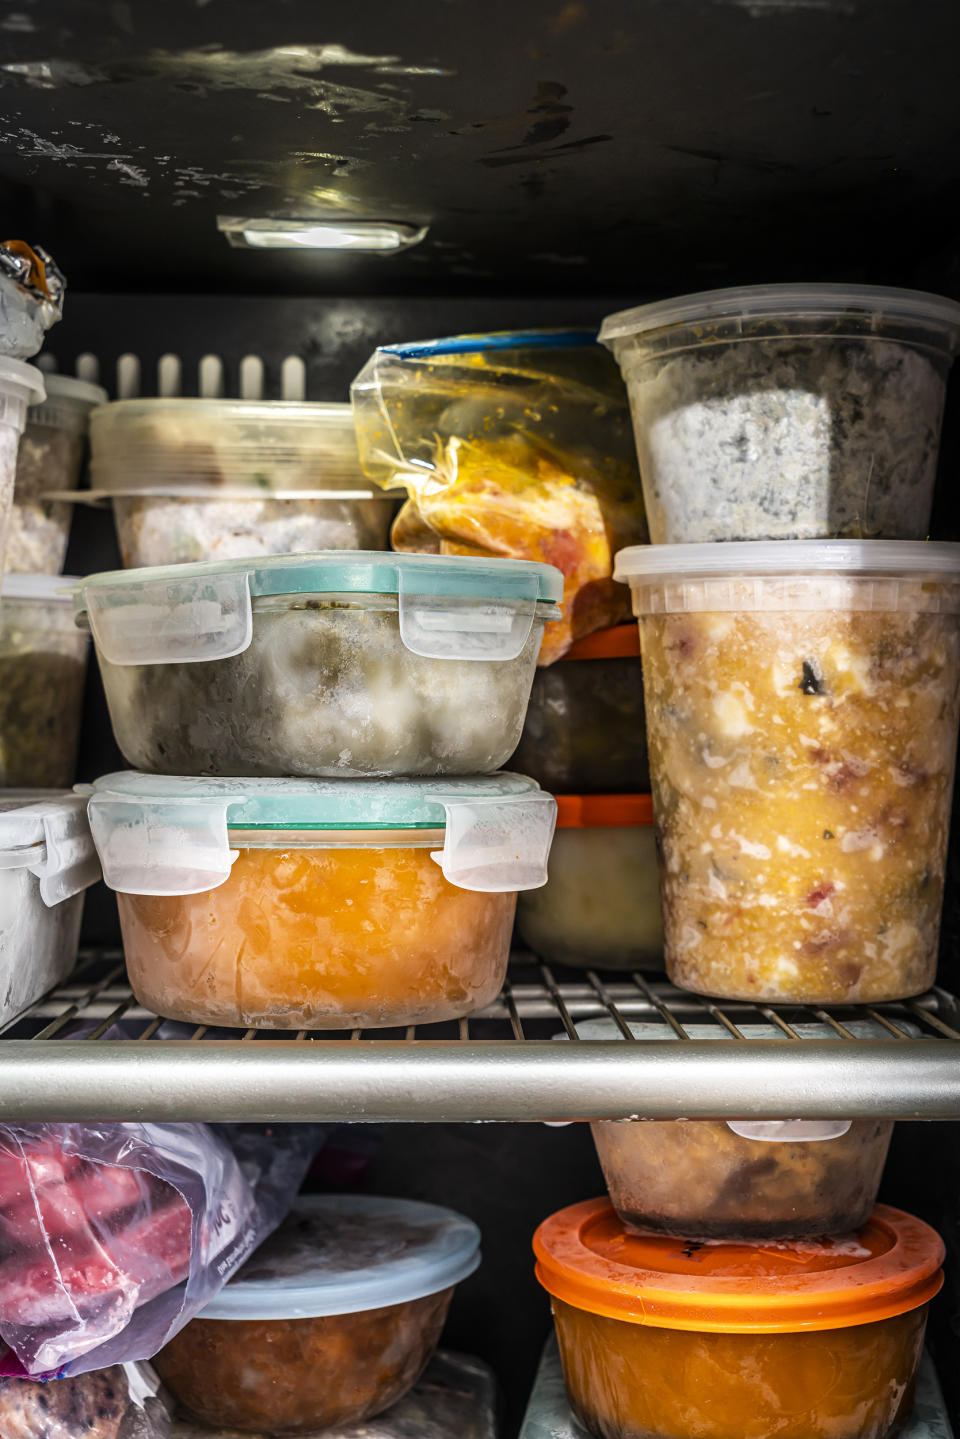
(89, 1051)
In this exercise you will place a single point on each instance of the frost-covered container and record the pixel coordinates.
(47, 860)
(333, 1319)
(584, 732)
(48, 465)
(332, 904)
(601, 903)
(20, 385)
(43, 662)
(326, 664)
(787, 411)
(741, 1179)
(802, 705)
(195, 480)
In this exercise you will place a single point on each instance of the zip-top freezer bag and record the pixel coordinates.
(113, 1236)
(515, 444)
(122, 1402)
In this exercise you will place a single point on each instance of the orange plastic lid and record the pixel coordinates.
(619, 643)
(603, 811)
(587, 1258)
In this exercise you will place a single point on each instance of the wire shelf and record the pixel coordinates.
(89, 1050)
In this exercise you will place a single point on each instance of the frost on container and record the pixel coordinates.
(20, 385)
(802, 706)
(787, 411)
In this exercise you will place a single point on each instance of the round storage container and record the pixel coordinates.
(331, 1321)
(197, 480)
(49, 462)
(601, 903)
(787, 411)
(20, 385)
(332, 905)
(584, 731)
(43, 663)
(665, 1339)
(741, 1179)
(327, 664)
(802, 706)
(47, 860)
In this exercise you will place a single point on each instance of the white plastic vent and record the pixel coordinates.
(129, 382)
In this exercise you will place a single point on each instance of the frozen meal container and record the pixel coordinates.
(319, 904)
(20, 385)
(48, 467)
(331, 1321)
(802, 703)
(47, 860)
(329, 664)
(787, 412)
(667, 1339)
(43, 665)
(741, 1179)
(197, 480)
(601, 903)
(584, 732)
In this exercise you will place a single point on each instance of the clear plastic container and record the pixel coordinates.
(20, 385)
(787, 411)
(194, 480)
(332, 905)
(333, 1319)
(47, 860)
(601, 903)
(584, 732)
(802, 706)
(43, 663)
(327, 664)
(745, 1179)
(660, 1340)
(50, 459)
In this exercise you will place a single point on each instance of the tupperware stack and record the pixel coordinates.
(801, 668)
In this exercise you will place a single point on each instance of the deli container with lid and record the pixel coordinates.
(802, 705)
(43, 663)
(20, 385)
(741, 1179)
(667, 1339)
(48, 466)
(203, 479)
(330, 664)
(47, 861)
(787, 411)
(331, 1321)
(601, 903)
(584, 732)
(331, 904)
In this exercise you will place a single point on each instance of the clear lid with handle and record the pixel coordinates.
(47, 833)
(167, 834)
(345, 1253)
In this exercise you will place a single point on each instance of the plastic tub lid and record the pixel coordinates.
(770, 302)
(27, 379)
(67, 389)
(46, 832)
(604, 811)
(588, 1258)
(52, 589)
(620, 642)
(882, 559)
(346, 1253)
(168, 834)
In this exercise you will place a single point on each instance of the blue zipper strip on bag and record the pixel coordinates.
(502, 340)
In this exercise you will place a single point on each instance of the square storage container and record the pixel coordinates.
(787, 412)
(333, 1319)
(802, 705)
(20, 385)
(323, 905)
(326, 664)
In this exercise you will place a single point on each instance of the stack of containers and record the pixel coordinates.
(801, 659)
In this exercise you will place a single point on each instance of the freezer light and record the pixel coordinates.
(364, 236)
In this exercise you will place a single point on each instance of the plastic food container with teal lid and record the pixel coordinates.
(332, 1320)
(319, 904)
(330, 664)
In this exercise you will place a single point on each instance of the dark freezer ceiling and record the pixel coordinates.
(629, 146)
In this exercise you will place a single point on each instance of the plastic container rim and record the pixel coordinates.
(68, 390)
(24, 377)
(50, 588)
(733, 559)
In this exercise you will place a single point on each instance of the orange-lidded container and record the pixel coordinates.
(671, 1339)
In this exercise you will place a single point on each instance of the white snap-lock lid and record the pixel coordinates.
(345, 1253)
(47, 833)
(789, 1131)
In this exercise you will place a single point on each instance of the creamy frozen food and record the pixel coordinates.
(43, 661)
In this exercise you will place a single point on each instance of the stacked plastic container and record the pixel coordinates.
(800, 644)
